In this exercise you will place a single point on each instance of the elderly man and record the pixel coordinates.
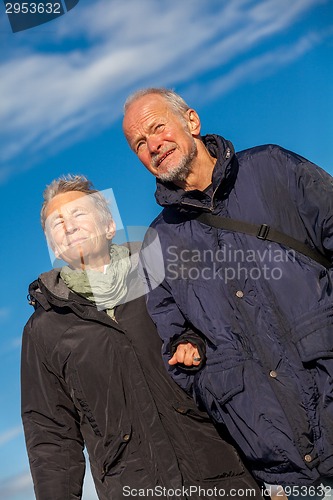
(247, 243)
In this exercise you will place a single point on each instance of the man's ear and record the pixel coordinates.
(110, 230)
(193, 122)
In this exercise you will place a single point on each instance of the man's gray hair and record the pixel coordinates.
(177, 103)
(79, 183)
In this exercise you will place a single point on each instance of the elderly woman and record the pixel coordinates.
(92, 374)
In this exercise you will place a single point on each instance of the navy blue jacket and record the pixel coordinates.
(264, 311)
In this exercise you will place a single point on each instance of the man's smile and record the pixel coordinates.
(159, 159)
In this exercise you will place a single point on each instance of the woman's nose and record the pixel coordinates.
(70, 225)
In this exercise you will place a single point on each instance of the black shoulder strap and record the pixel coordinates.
(261, 231)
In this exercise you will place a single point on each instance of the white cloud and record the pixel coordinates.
(257, 67)
(16, 343)
(59, 96)
(4, 312)
(10, 434)
(9, 345)
(18, 487)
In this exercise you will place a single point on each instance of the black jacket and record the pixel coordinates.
(89, 380)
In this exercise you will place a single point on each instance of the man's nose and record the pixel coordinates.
(154, 143)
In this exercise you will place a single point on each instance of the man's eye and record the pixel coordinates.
(139, 145)
(159, 127)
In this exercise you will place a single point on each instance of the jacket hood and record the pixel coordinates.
(167, 193)
(49, 289)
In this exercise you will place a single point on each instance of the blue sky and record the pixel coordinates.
(256, 71)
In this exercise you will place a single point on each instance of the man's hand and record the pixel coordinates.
(187, 354)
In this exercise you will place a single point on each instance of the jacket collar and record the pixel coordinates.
(168, 193)
(50, 289)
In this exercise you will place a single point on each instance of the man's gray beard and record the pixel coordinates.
(181, 171)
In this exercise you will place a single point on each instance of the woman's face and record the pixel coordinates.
(76, 232)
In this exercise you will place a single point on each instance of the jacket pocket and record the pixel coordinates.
(227, 383)
(313, 335)
(240, 396)
(116, 448)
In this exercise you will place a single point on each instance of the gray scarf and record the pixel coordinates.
(106, 289)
